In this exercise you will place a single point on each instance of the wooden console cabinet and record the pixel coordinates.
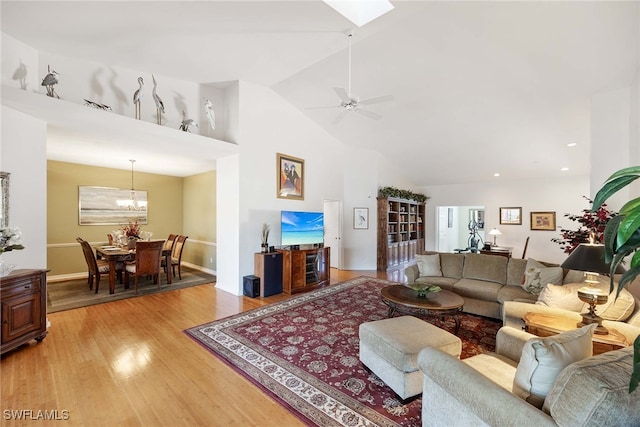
(400, 232)
(305, 269)
(23, 300)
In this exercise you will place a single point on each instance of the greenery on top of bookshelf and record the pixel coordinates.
(402, 194)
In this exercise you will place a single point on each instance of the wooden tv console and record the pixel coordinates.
(305, 269)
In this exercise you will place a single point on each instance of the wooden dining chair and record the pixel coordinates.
(168, 246)
(95, 267)
(176, 255)
(147, 263)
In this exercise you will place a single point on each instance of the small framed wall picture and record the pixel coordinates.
(511, 216)
(290, 177)
(361, 218)
(543, 221)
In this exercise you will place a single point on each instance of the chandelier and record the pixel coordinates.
(132, 203)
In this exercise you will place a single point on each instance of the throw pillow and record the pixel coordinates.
(562, 296)
(536, 275)
(620, 308)
(543, 359)
(429, 265)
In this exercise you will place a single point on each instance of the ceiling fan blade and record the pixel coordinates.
(342, 94)
(322, 108)
(340, 117)
(369, 114)
(369, 101)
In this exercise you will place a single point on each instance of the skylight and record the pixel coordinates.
(360, 12)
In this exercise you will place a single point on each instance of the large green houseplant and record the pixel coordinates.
(622, 239)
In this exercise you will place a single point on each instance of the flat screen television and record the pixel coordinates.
(301, 228)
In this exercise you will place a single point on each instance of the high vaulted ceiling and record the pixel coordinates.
(478, 87)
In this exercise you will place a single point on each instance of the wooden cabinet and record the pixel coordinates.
(305, 269)
(400, 232)
(23, 303)
(268, 267)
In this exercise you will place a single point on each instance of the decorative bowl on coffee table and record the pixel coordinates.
(424, 290)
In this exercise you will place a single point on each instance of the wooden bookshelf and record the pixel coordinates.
(400, 232)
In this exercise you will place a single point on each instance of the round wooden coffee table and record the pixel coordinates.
(403, 299)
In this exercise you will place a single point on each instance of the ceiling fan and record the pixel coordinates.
(349, 102)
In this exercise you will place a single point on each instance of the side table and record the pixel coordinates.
(544, 325)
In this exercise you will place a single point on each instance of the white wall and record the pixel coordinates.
(19, 65)
(559, 195)
(23, 154)
(268, 125)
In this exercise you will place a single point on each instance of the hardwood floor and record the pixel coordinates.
(128, 363)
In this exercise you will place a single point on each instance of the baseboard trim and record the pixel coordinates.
(74, 276)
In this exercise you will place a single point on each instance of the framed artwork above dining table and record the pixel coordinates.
(111, 206)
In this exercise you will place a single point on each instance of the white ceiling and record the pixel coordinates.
(478, 87)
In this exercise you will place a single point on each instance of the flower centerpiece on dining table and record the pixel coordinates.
(10, 240)
(132, 233)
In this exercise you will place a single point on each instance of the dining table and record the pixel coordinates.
(115, 254)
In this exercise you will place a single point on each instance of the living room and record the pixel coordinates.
(265, 122)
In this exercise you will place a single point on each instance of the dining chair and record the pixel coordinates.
(110, 237)
(96, 267)
(147, 263)
(168, 246)
(176, 255)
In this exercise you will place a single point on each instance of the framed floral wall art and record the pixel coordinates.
(290, 177)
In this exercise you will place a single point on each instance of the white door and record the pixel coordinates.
(333, 230)
(443, 229)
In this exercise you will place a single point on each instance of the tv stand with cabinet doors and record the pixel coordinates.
(305, 269)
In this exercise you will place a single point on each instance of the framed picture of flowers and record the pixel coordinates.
(111, 206)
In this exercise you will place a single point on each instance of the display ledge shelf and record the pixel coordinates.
(95, 135)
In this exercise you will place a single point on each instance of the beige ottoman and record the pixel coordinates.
(390, 347)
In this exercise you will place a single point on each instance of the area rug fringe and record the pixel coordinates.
(303, 352)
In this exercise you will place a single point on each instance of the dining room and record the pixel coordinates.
(175, 205)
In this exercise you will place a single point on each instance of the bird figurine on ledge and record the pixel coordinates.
(137, 97)
(186, 123)
(158, 101)
(49, 81)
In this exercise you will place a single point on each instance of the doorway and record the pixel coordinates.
(333, 231)
(460, 227)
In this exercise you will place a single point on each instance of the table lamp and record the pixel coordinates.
(495, 233)
(589, 257)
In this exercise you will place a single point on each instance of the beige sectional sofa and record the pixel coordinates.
(484, 281)
(492, 286)
(480, 391)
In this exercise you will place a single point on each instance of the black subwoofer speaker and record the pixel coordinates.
(251, 286)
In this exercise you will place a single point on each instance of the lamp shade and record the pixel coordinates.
(589, 257)
(495, 232)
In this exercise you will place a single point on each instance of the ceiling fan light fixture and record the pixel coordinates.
(360, 12)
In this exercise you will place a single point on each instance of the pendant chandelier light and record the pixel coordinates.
(132, 203)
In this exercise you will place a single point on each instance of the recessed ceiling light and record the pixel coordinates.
(564, 169)
(572, 144)
(360, 12)
(496, 174)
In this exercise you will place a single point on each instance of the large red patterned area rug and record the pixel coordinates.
(303, 352)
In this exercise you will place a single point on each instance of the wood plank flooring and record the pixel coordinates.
(128, 363)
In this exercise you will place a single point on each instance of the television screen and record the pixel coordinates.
(302, 228)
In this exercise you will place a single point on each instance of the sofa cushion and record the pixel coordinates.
(515, 271)
(429, 265)
(452, 265)
(445, 283)
(562, 296)
(537, 275)
(478, 289)
(595, 391)
(513, 293)
(497, 368)
(543, 359)
(491, 268)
